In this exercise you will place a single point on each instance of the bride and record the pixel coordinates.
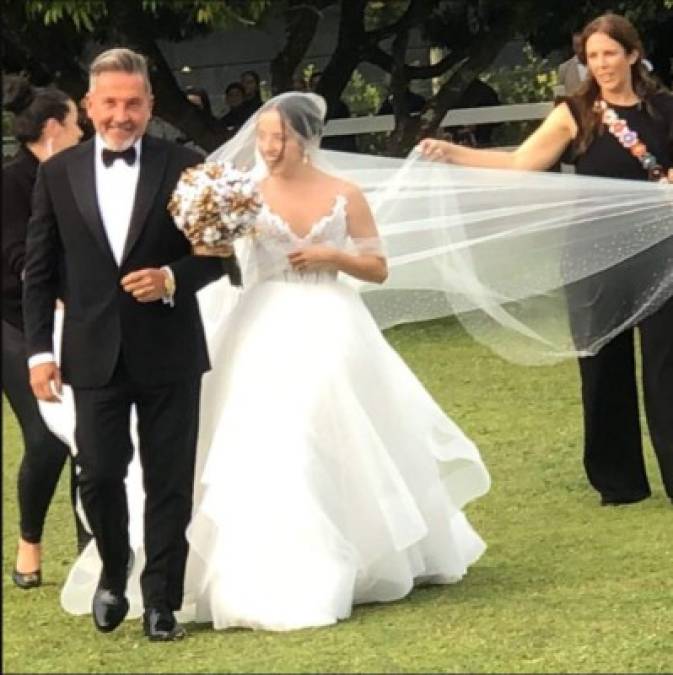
(326, 474)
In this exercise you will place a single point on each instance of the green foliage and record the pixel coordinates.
(365, 98)
(564, 586)
(362, 97)
(531, 82)
(7, 122)
(380, 13)
(85, 14)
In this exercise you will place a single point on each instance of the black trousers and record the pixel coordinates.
(44, 454)
(167, 430)
(613, 455)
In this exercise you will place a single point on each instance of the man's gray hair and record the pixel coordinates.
(119, 60)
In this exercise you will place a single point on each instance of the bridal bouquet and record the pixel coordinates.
(214, 204)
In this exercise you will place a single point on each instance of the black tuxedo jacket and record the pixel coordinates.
(158, 343)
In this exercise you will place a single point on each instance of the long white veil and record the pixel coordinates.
(538, 266)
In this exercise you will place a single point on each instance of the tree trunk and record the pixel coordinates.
(351, 43)
(301, 24)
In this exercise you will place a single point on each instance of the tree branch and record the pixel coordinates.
(383, 60)
(348, 53)
(301, 24)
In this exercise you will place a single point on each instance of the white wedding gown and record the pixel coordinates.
(326, 474)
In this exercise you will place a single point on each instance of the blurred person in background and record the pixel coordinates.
(45, 123)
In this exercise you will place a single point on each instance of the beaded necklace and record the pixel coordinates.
(629, 140)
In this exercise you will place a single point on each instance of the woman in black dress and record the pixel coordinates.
(618, 90)
(45, 123)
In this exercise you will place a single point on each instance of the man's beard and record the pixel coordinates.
(120, 146)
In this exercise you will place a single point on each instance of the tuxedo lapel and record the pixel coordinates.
(152, 168)
(82, 175)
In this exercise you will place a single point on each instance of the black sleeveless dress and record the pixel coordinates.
(608, 298)
(607, 158)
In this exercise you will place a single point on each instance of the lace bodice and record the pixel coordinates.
(274, 241)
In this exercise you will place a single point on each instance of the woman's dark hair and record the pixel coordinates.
(234, 85)
(301, 114)
(203, 95)
(256, 98)
(305, 119)
(32, 107)
(621, 30)
(253, 74)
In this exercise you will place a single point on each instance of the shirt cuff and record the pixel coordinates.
(167, 298)
(40, 358)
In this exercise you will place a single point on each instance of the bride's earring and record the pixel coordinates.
(305, 158)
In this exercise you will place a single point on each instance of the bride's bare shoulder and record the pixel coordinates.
(340, 186)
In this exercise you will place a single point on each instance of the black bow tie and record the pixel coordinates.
(128, 155)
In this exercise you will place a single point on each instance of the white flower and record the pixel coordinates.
(211, 235)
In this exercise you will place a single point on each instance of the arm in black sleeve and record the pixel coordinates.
(16, 196)
(40, 288)
(193, 272)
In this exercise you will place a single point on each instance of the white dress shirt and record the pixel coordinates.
(116, 192)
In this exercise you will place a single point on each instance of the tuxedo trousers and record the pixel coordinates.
(44, 455)
(168, 417)
(613, 452)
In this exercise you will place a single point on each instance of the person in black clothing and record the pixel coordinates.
(199, 97)
(415, 103)
(84, 122)
(299, 83)
(477, 94)
(237, 114)
(338, 110)
(252, 93)
(45, 123)
(618, 79)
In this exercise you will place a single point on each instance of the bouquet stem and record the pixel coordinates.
(221, 251)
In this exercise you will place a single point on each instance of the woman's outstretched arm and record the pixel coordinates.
(540, 151)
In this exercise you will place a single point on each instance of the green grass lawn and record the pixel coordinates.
(565, 585)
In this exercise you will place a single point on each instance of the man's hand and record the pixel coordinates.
(41, 378)
(146, 285)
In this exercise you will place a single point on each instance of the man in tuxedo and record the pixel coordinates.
(132, 332)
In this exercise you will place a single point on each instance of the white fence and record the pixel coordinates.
(376, 123)
(519, 112)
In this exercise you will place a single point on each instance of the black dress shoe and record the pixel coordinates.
(28, 579)
(621, 501)
(160, 625)
(109, 609)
